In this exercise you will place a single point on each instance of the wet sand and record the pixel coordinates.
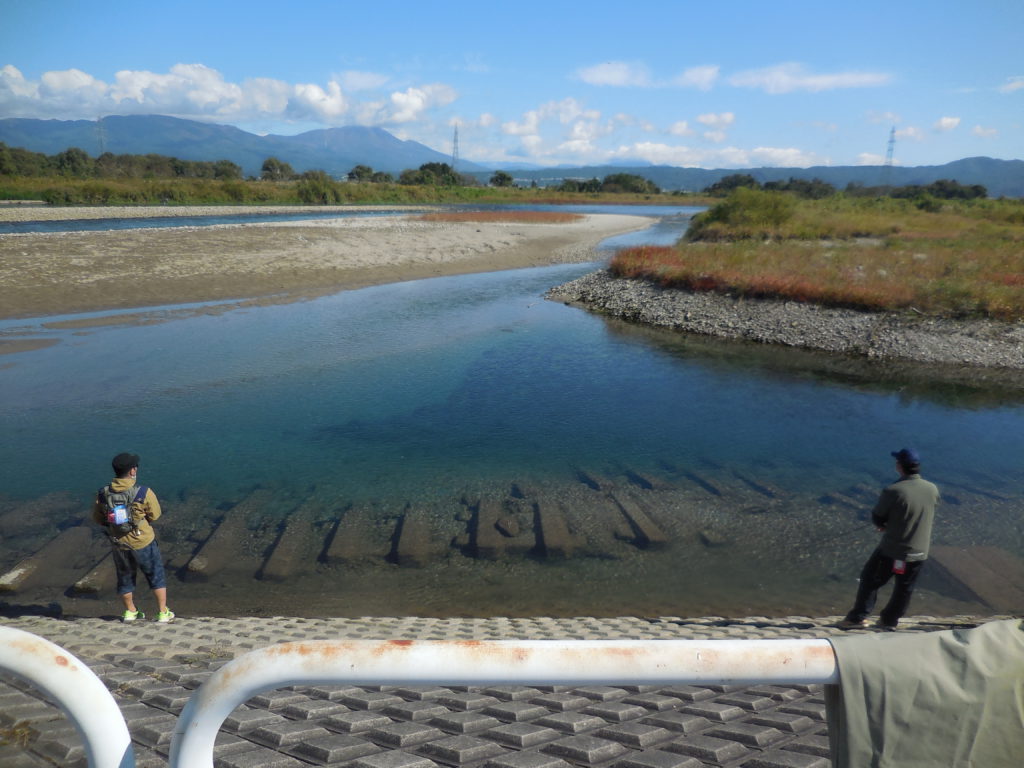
(45, 274)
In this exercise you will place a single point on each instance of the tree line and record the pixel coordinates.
(816, 189)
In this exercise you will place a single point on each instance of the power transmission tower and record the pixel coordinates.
(887, 168)
(101, 135)
(455, 148)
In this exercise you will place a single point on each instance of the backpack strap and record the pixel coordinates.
(140, 494)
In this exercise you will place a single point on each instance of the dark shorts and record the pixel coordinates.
(127, 562)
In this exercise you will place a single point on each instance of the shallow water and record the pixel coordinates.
(422, 398)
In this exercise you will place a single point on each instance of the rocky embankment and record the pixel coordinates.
(883, 336)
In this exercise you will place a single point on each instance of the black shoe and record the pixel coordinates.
(850, 624)
(885, 627)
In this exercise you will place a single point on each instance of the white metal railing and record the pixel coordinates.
(77, 691)
(534, 662)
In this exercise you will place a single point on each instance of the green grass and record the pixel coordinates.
(63, 191)
(965, 259)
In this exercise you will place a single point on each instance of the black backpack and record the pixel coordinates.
(118, 506)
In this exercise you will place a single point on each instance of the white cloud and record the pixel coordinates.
(789, 77)
(910, 132)
(199, 92)
(355, 80)
(716, 136)
(1012, 84)
(702, 78)
(869, 158)
(720, 120)
(946, 123)
(615, 73)
(985, 133)
(681, 128)
(725, 157)
(884, 117)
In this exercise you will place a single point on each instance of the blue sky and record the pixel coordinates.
(712, 84)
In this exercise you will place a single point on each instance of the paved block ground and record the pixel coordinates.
(153, 669)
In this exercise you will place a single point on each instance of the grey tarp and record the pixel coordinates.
(936, 699)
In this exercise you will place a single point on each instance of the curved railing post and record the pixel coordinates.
(536, 662)
(77, 691)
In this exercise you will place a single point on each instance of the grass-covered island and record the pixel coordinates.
(923, 279)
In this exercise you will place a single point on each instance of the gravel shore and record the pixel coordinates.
(973, 344)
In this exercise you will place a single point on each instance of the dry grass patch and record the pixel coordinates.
(504, 217)
(964, 261)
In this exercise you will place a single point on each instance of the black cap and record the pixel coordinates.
(124, 463)
(905, 456)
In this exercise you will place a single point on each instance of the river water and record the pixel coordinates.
(425, 397)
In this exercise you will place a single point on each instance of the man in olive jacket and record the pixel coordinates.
(133, 541)
(904, 513)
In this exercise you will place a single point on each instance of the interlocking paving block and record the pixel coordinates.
(467, 700)
(784, 721)
(331, 692)
(155, 733)
(653, 701)
(750, 702)
(778, 758)
(688, 692)
(512, 692)
(708, 748)
(22, 707)
(258, 757)
(459, 750)
(810, 745)
(712, 710)
(521, 735)
(227, 744)
(13, 756)
(244, 720)
(404, 734)
(356, 722)
(61, 743)
(527, 760)
(516, 711)
(636, 735)
(655, 758)
(601, 692)
(371, 700)
(465, 722)
(416, 711)
(276, 699)
(776, 692)
(335, 748)
(136, 713)
(572, 722)
(285, 734)
(681, 722)
(422, 693)
(393, 759)
(171, 699)
(752, 735)
(813, 711)
(585, 749)
(561, 702)
(122, 677)
(313, 709)
(616, 711)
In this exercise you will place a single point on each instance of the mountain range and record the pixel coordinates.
(338, 150)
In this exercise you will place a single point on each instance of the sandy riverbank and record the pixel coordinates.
(72, 272)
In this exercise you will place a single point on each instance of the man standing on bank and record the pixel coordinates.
(904, 513)
(127, 510)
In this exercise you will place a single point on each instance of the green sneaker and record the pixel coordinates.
(132, 616)
(165, 615)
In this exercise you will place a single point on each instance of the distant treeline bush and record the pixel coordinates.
(816, 189)
(77, 164)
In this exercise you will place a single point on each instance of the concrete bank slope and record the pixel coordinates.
(880, 336)
(153, 669)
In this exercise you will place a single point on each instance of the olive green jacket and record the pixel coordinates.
(905, 511)
(143, 514)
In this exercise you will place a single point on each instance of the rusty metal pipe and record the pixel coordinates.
(77, 691)
(525, 662)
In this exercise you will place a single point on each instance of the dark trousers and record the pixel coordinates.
(876, 572)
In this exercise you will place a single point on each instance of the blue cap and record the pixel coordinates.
(907, 456)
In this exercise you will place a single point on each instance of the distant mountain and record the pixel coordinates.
(999, 177)
(334, 150)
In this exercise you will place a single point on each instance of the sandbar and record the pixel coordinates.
(61, 273)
